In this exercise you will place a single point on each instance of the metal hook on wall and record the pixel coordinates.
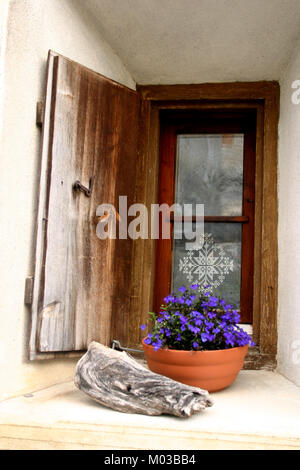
(77, 186)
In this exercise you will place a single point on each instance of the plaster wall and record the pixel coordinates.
(289, 223)
(193, 41)
(3, 29)
(30, 29)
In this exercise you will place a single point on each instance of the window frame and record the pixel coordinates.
(263, 97)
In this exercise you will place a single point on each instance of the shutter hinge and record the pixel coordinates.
(117, 345)
(28, 290)
(40, 113)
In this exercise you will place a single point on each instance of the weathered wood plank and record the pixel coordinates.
(143, 259)
(255, 360)
(209, 91)
(258, 223)
(116, 380)
(269, 237)
(90, 130)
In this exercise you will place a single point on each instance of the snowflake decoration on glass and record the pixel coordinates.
(207, 265)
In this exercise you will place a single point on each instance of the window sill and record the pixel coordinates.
(261, 410)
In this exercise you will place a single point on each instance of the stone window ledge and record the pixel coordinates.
(261, 410)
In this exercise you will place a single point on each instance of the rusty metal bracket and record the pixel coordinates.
(77, 186)
(117, 345)
(28, 295)
(40, 113)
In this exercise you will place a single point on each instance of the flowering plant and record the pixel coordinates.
(196, 320)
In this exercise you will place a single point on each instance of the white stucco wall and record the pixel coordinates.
(289, 225)
(33, 27)
(3, 29)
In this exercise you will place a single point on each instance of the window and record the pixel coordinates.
(261, 98)
(209, 158)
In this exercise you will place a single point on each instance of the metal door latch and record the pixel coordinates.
(117, 345)
(77, 186)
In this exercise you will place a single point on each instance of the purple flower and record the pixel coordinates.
(229, 338)
(213, 302)
(210, 337)
(194, 329)
(209, 324)
(183, 319)
(203, 337)
(148, 340)
(207, 337)
(157, 345)
(169, 298)
(226, 316)
(211, 314)
(194, 286)
(190, 329)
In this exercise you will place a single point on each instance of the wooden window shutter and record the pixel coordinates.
(81, 283)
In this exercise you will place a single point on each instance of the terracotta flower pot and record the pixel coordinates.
(210, 370)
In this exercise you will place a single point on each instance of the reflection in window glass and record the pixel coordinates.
(210, 172)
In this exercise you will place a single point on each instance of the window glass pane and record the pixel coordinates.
(217, 263)
(210, 172)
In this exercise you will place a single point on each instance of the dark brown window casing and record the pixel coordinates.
(262, 99)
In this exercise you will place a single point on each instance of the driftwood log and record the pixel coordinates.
(117, 381)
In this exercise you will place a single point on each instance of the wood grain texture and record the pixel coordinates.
(143, 260)
(117, 381)
(81, 282)
(256, 360)
(258, 222)
(269, 237)
(209, 91)
(166, 195)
